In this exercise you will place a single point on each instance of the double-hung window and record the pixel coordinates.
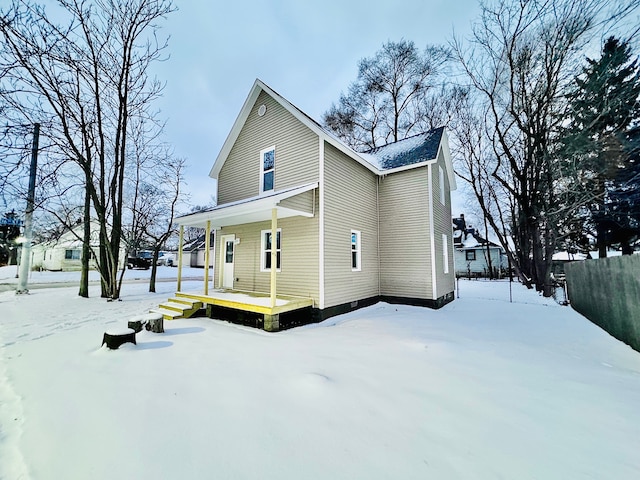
(267, 169)
(356, 249)
(266, 247)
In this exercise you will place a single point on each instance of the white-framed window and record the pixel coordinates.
(356, 251)
(441, 178)
(266, 246)
(445, 253)
(267, 169)
(72, 254)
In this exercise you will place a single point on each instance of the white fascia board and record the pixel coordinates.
(432, 236)
(293, 110)
(259, 86)
(247, 208)
(408, 167)
(321, 243)
(235, 130)
(444, 145)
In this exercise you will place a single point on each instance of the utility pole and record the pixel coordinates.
(25, 259)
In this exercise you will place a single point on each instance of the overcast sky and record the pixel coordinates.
(306, 51)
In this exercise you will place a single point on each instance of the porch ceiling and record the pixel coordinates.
(255, 209)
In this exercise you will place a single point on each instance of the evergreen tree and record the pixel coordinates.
(599, 142)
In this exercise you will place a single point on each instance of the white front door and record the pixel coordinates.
(228, 252)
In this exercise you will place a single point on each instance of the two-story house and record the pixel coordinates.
(304, 221)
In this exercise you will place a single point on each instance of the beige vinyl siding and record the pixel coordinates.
(405, 250)
(442, 225)
(296, 153)
(350, 204)
(303, 202)
(299, 262)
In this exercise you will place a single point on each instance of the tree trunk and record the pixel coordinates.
(488, 249)
(154, 269)
(104, 279)
(601, 233)
(86, 246)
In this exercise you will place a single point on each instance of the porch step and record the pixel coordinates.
(178, 308)
(167, 314)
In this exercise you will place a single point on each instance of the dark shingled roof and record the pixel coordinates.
(416, 149)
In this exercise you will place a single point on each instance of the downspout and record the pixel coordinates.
(321, 226)
(378, 235)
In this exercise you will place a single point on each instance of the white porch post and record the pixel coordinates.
(180, 245)
(207, 247)
(274, 253)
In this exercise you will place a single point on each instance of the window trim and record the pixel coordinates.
(263, 250)
(262, 170)
(357, 250)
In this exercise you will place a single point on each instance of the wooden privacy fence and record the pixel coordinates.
(607, 292)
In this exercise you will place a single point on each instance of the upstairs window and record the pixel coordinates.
(267, 247)
(267, 169)
(356, 263)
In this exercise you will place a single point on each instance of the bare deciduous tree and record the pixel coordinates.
(387, 102)
(519, 62)
(87, 79)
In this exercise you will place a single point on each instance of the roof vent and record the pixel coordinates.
(262, 109)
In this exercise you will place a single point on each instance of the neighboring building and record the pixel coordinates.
(193, 252)
(473, 254)
(351, 229)
(65, 253)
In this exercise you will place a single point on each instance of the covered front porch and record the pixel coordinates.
(293, 202)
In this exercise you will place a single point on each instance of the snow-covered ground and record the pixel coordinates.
(481, 389)
(8, 275)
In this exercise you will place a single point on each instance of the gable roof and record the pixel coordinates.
(418, 155)
(408, 151)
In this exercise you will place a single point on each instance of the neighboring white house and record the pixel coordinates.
(474, 255)
(65, 253)
(193, 252)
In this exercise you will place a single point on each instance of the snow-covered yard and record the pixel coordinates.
(481, 389)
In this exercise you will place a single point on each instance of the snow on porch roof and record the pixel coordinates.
(248, 210)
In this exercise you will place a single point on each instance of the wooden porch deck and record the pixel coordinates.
(255, 302)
